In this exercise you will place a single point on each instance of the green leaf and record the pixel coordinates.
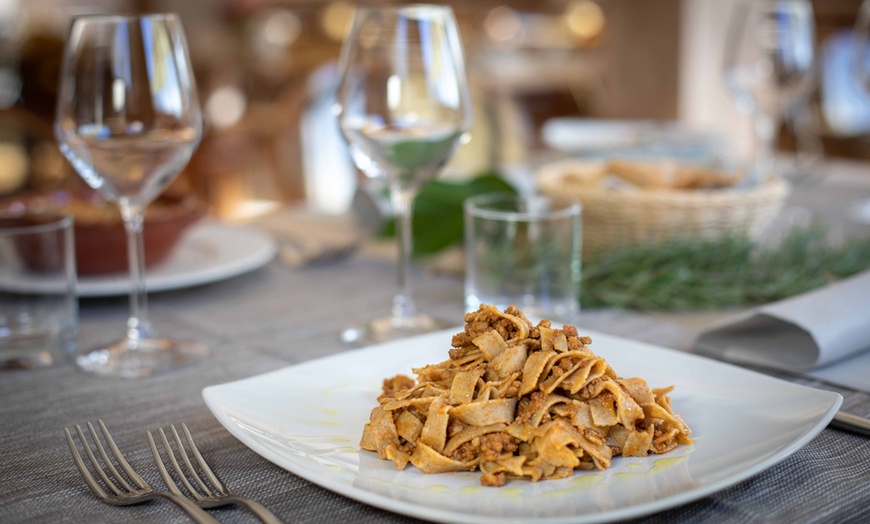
(438, 217)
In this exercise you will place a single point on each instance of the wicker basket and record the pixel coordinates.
(618, 218)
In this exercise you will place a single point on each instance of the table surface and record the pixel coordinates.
(279, 316)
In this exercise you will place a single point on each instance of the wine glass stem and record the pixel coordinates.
(403, 204)
(764, 127)
(138, 325)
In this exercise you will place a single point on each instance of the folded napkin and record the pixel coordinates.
(308, 237)
(824, 333)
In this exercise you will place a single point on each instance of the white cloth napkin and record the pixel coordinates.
(824, 333)
(306, 236)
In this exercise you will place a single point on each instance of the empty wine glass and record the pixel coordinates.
(769, 68)
(860, 210)
(404, 108)
(861, 46)
(128, 119)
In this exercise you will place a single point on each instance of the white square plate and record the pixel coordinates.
(308, 419)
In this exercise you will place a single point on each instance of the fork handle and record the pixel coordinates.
(195, 512)
(257, 509)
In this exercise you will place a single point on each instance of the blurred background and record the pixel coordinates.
(266, 75)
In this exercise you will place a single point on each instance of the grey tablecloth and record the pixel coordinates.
(276, 317)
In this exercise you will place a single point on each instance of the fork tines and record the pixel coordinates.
(186, 472)
(106, 470)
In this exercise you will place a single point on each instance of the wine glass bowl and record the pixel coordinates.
(128, 119)
(404, 108)
(769, 67)
(860, 66)
(128, 116)
(860, 63)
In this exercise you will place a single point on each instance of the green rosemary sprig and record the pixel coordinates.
(717, 274)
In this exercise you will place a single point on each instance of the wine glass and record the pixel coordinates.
(860, 210)
(769, 69)
(128, 119)
(404, 108)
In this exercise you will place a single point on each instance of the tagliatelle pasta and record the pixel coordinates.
(519, 401)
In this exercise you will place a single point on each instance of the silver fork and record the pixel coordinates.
(204, 494)
(122, 493)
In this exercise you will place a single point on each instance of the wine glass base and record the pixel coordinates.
(142, 358)
(386, 329)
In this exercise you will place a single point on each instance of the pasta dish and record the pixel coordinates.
(519, 401)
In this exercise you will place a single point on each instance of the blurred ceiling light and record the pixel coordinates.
(503, 25)
(585, 19)
(281, 27)
(336, 19)
(225, 106)
(272, 32)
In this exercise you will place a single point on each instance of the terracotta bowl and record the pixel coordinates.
(101, 242)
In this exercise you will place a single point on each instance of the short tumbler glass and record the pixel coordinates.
(38, 304)
(523, 251)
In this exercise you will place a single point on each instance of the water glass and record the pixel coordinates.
(523, 251)
(38, 306)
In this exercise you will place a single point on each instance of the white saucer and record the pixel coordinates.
(210, 251)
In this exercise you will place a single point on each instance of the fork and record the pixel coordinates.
(122, 493)
(204, 495)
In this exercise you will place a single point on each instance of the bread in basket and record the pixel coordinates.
(627, 203)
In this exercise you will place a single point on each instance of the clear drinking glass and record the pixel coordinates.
(38, 306)
(128, 119)
(523, 251)
(404, 108)
(769, 67)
